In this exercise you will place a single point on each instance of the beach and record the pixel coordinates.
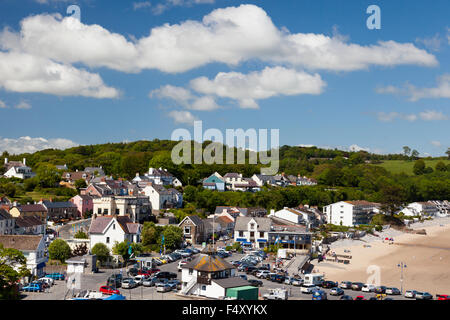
(427, 258)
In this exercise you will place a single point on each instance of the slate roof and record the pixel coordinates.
(21, 242)
(31, 208)
(241, 223)
(232, 282)
(195, 219)
(99, 224)
(59, 204)
(26, 222)
(208, 263)
(4, 215)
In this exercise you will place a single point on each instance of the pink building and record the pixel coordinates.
(83, 203)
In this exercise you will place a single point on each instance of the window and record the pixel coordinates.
(114, 226)
(190, 271)
(203, 288)
(241, 233)
(107, 239)
(99, 211)
(252, 226)
(261, 234)
(187, 230)
(105, 211)
(117, 211)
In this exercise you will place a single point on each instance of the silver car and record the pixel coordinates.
(129, 283)
(410, 294)
(336, 291)
(392, 291)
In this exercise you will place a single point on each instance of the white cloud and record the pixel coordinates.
(306, 145)
(431, 43)
(442, 90)
(21, 72)
(431, 115)
(29, 145)
(205, 103)
(356, 148)
(3, 105)
(270, 82)
(229, 35)
(23, 105)
(436, 143)
(184, 97)
(140, 5)
(163, 6)
(428, 115)
(182, 117)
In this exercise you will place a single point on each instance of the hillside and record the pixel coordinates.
(399, 166)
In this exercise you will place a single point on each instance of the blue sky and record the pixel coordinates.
(311, 69)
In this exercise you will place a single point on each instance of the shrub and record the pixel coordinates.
(59, 250)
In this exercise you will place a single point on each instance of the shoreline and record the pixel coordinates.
(427, 258)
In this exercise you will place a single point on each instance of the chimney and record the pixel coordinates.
(24, 161)
(6, 160)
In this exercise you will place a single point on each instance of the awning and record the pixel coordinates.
(262, 240)
(241, 239)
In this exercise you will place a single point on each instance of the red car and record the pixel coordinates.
(443, 297)
(148, 272)
(360, 298)
(108, 290)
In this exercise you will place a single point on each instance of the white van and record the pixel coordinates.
(313, 279)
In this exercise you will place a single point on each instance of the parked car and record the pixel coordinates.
(423, 296)
(336, 291)
(163, 287)
(360, 298)
(175, 284)
(345, 297)
(380, 289)
(55, 276)
(288, 280)
(263, 274)
(255, 283)
(166, 275)
(297, 282)
(129, 283)
(49, 281)
(108, 290)
(33, 287)
(308, 288)
(345, 285)
(115, 282)
(329, 284)
(139, 279)
(250, 269)
(392, 291)
(443, 297)
(319, 295)
(410, 294)
(150, 282)
(357, 286)
(133, 272)
(368, 288)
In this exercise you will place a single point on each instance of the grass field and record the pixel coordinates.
(398, 166)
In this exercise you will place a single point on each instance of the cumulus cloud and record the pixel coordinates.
(228, 35)
(442, 90)
(21, 72)
(29, 145)
(428, 115)
(185, 98)
(270, 82)
(182, 117)
(436, 143)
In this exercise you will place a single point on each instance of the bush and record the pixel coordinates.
(101, 251)
(378, 228)
(81, 235)
(228, 248)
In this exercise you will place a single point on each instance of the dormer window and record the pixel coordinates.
(252, 226)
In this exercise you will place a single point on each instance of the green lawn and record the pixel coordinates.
(398, 166)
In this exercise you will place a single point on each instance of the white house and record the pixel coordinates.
(111, 229)
(291, 215)
(209, 276)
(443, 206)
(162, 198)
(32, 247)
(138, 208)
(351, 213)
(262, 180)
(18, 170)
(252, 231)
(421, 209)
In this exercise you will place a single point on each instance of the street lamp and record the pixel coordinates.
(401, 265)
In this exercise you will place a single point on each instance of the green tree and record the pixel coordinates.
(173, 237)
(80, 184)
(406, 150)
(414, 154)
(448, 153)
(101, 251)
(121, 249)
(59, 250)
(419, 167)
(48, 175)
(13, 267)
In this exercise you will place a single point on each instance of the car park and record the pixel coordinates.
(410, 294)
(336, 291)
(345, 285)
(345, 297)
(368, 288)
(129, 283)
(357, 286)
(423, 296)
(392, 291)
(108, 290)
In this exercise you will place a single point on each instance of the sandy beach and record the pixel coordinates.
(427, 258)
